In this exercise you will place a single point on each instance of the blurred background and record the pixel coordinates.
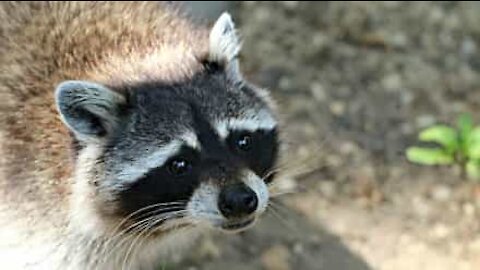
(356, 83)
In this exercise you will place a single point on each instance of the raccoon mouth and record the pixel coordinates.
(238, 226)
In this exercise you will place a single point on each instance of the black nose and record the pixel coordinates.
(237, 201)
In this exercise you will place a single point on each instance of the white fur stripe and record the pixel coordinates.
(260, 188)
(190, 139)
(261, 121)
(156, 158)
(138, 168)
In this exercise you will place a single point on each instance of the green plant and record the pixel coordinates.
(458, 146)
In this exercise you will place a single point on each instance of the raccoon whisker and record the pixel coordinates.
(124, 239)
(152, 215)
(134, 246)
(135, 239)
(155, 221)
(298, 172)
(134, 228)
(292, 169)
(269, 173)
(123, 233)
(274, 207)
(287, 165)
(134, 242)
(276, 195)
(183, 202)
(179, 218)
(172, 215)
(144, 209)
(301, 165)
(280, 206)
(183, 219)
(161, 210)
(175, 228)
(120, 239)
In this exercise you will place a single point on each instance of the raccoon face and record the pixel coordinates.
(155, 154)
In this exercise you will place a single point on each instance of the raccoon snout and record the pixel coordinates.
(237, 201)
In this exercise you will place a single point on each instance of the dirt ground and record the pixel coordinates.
(355, 82)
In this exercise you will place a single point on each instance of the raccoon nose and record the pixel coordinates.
(237, 201)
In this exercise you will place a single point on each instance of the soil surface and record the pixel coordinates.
(355, 83)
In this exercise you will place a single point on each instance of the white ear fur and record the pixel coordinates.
(224, 43)
(88, 109)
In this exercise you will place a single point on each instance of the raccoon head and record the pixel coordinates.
(196, 152)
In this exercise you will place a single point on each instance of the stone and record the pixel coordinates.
(276, 258)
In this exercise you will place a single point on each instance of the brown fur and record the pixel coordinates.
(43, 44)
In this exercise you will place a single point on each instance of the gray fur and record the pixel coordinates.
(160, 114)
(87, 108)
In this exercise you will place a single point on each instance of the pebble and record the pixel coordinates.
(441, 193)
(298, 248)
(392, 82)
(440, 231)
(421, 207)
(475, 245)
(276, 258)
(468, 47)
(399, 40)
(469, 209)
(319, 40)
(318, 91)
(337, 108)
(348, 148)
(425, 120)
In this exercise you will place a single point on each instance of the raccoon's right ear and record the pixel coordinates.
(224, 46)
(89, 110)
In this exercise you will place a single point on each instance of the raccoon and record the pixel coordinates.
(126, 131)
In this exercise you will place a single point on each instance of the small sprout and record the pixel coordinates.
(428, 156)
(443, 135)
(474, 151)
(460, 146)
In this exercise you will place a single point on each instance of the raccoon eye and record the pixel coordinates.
(244, 142)
(179, 167)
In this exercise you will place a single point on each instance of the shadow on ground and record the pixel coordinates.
(268, 247)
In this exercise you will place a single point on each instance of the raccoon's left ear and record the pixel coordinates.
(224, 45)
(91, 111)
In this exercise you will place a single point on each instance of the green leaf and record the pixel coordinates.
(465, 124)
(444, 135)
(429, 156)
(473, 169)
(474, 136)
(473, 150)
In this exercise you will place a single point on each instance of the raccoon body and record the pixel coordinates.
(124, 128)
